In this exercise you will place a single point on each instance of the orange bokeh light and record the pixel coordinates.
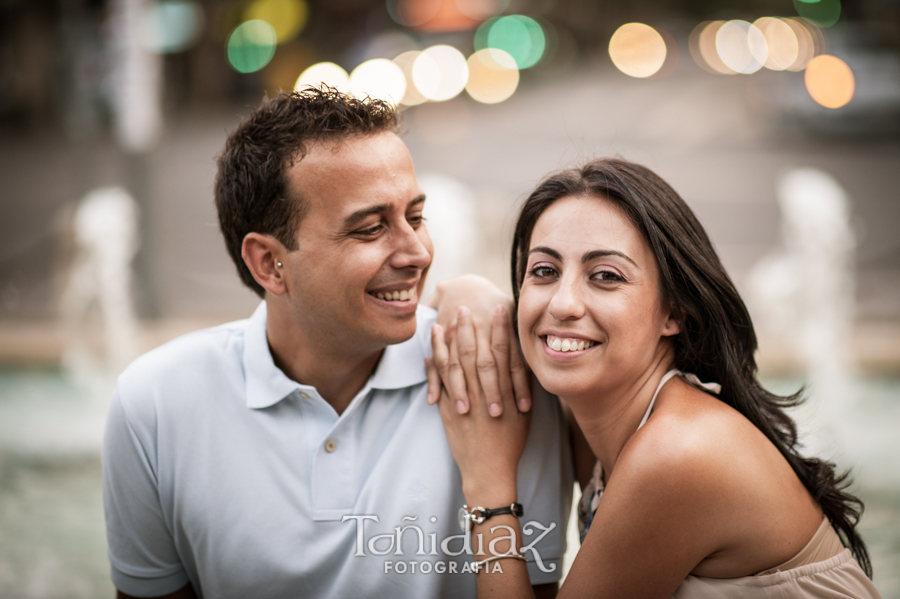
(830, 81)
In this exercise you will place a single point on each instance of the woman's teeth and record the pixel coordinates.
(568, 345)
(393, 296)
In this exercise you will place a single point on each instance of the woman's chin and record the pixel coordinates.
(564, 386)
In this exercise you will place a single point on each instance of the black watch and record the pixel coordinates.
(468, 518)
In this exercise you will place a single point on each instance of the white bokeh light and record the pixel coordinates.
(323, 72)
(378, 78)
(741, 46)
(440, 73)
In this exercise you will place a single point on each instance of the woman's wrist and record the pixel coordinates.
(490, 495)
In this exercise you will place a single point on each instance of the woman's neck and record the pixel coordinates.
(611, 415)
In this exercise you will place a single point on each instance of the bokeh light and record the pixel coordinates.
(287, 17)
(412, 13)
(171, 26)
(481, 9)
(251, 46)
(519, 36)
(807, 42)
(637, 50)
(440, 72)
(706, 55)
(378, 78)
(412, 97)
(829, 81)
(781, 41)
(741, 46)
(493, 76)
(323, 72)
(823, 13)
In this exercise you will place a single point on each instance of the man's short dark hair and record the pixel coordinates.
(251, 191)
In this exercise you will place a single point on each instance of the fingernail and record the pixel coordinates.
(460, 407)
(430, 399)
(500, 311)
(524, 404)
(463, 311)
(495, 410)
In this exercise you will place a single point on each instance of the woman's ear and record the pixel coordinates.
(264, 256)
(672, 325)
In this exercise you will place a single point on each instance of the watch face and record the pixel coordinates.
(463, 518)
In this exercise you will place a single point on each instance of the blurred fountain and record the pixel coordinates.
(99, 285)
(805, 296)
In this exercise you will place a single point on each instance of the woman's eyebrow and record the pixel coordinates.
(545, 250)
(588, 256)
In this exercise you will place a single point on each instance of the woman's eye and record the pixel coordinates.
(609, 276)
(541, 272)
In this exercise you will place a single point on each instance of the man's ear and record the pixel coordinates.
(264, 256)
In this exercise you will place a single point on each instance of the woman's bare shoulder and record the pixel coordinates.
(690, 434)
(702, 461)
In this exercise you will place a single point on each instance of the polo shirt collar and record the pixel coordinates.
(401, 365)
(266, 383)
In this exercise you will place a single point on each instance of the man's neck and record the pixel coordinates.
(337, 375)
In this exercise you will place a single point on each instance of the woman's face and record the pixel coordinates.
(590, 316)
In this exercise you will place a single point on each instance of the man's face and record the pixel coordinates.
(362, 242)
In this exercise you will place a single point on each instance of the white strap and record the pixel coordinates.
(662, 381)
(714, 388)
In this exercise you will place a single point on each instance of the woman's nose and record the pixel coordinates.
(567, 302)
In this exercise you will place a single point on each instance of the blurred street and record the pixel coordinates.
(702, 133)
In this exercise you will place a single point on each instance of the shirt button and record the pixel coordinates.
(304, 395)
(330, 445)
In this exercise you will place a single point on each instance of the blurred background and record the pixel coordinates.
(777, 120)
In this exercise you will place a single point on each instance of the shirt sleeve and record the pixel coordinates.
(546, 480)
(142, 551)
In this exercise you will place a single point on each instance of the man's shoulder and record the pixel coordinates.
(204, 351)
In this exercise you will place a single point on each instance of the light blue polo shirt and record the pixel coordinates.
(220, 471)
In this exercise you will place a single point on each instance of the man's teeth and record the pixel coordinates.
(393, 296)
(564, 345)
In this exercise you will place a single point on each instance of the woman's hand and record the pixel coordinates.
(486, 443)
(498, 367)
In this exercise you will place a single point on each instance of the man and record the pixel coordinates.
(294, 454)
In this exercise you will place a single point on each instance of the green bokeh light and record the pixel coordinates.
(251, 46)
(521, 37)
(823, 13)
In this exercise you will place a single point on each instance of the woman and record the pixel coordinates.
(623, 309)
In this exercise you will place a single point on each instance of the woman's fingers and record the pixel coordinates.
(455, 381)
(446, 363)
(434, 380)
(500, 341)
(490, 372)
(521, 378)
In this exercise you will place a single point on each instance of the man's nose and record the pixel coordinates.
(413, 248)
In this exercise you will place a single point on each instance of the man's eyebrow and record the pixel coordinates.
(361, 215)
